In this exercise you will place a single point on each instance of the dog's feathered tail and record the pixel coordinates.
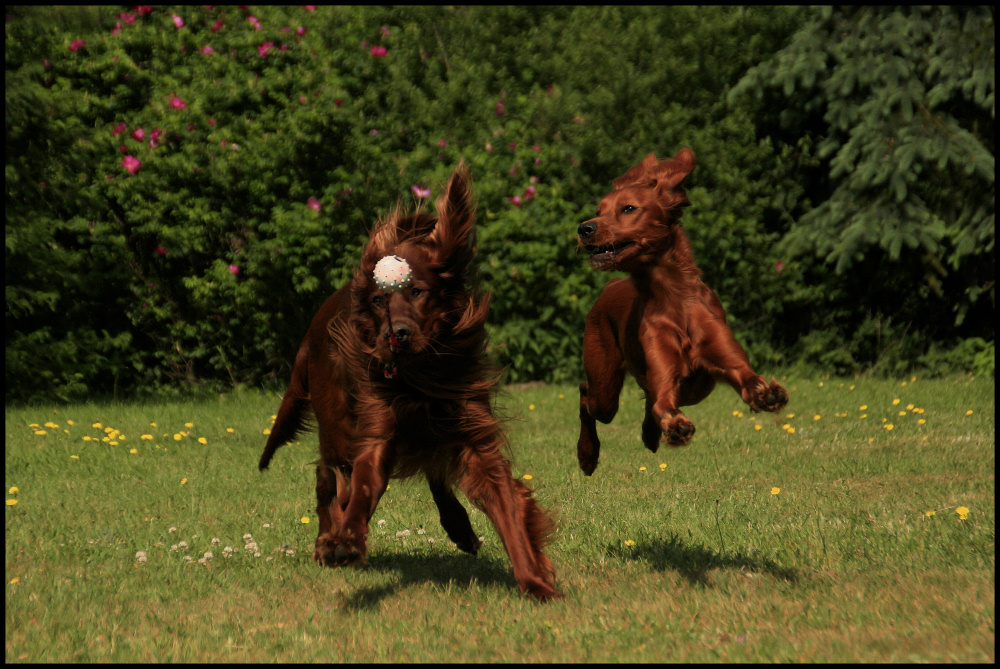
(295, 408)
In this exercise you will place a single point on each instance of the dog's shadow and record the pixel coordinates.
(457, 570)
(695, 562)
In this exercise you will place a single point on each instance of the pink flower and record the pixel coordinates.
(499, 109)
(234, 269)
(310, 8)
(77, 44)
(536, 148)
(442, 143)
(127, 18)
(142, 10)
(161, 251)
(211, 122)
(217, 26)
(313, 204)
(138, 134)
(131, 164)
(300, 31)
(489, 148)
(385, 31)
(176, 102)
(264, 48)
(421, 192)
(303, 100)
(378, 51)
(119, 129)
(252, 20)
(154, 136)
(207, 50)
(178, 21)
(529, 191)
(338, 102)
(779, 266)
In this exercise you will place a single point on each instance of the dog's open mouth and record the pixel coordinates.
(602, 257)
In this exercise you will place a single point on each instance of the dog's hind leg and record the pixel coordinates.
(454, 518)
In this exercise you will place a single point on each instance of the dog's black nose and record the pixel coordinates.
(402, 332)
(586, 229)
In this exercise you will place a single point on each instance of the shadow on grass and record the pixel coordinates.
(448, 571)
(694, 562)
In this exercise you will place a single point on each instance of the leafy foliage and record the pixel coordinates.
(891, 113)
(185, 186)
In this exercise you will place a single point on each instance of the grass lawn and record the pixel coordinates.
(857, 526)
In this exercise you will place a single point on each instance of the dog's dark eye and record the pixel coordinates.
(416, 292)
(377, 300)
(628, 209)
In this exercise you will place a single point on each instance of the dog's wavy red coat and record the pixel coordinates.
(419, 404)
(662, 325)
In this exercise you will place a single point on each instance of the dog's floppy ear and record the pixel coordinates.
(638, 174)
(453, 236)
(671, 172)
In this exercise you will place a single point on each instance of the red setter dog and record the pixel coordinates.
(398, 383)
(663, 324)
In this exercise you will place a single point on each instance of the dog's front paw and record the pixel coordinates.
(762, 396)
(339, 550)
(678, 428)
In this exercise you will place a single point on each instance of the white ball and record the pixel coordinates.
(392, 273)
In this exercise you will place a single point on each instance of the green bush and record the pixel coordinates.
(185, 186)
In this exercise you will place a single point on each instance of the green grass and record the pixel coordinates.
(694, 562)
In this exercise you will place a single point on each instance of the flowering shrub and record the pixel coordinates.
(185, 186)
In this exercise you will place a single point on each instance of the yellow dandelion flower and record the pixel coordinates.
(864, 415)
(177, 437)
(642, 469)
(863, 407)
(202, 440)
(561, 396)
(629, 542)
(888, 426)
(909, 407)
(531, 407)
(189, 425)
(758, 427)
(230, 430)
(146, 437)
(74, 457)
(820, 384)
(969, 412)
(15, 580)
(663, 466)
(816, 417)
(51, 425)
(133, 451)
(921, 421)
(871, 439)
(152, 424)
(14, 490)
(305, 520)
(274, 417)
(775, 491)
(790, 415)
(962, 510)
(895, 402)
(791, 430)
(902, 413)
(184, 481)
(266, 430)
(527, 477)
(113, 443)
(97, 426)
(929, 513)
(41, 433)
(86, 438)
(736, 412)
(912, 379)
(11, 502)
(69, 422)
